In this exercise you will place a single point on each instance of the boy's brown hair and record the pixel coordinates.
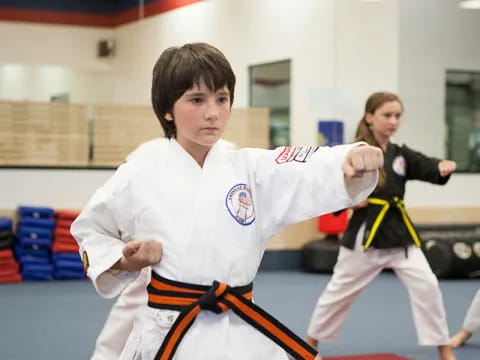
(179, 69)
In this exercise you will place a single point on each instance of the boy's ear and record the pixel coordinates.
(168, 117)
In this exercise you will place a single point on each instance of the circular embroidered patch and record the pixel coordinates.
(399, 166)
(240, 204)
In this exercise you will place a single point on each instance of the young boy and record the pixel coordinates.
(205, 209)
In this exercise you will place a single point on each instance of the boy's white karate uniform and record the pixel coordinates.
(213, 223)
(119, 324)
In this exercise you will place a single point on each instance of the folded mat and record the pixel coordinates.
(13, 278)
(66, 214)
(34, 232)
(37, 243)
(6, 254)
(6, 242)
(31, 251)
(35, 212)
(63, 247)
(68, 265)
(12, 268)
(6, 233)
(59, 231)
(68, 239)
(63, 223)
(68, 274)
(34, 260)
(5, 223)
(37, 267)
(47, 223)
(66, 256)
(26, 275)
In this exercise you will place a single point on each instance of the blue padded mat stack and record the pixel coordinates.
(9, 268)
(65, 255)
(34, 241)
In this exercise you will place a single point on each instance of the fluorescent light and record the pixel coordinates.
(470, 4)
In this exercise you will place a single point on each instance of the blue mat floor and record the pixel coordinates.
(61, 319)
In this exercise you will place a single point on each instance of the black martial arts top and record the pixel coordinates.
(386, 222)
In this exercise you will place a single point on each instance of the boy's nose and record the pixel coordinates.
(211, 111)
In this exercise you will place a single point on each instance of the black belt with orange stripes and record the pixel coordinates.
(190, 299)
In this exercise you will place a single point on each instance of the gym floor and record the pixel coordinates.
(61, 319)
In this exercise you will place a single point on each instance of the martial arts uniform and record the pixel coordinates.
(119, 323)
(472, 319)
(213, 223)
(379, 236)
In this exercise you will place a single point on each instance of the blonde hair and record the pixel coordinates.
(364, 131)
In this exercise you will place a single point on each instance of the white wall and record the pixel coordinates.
(72, 46)
(60, 189)
(41, 82)
(341, 51)
(37, 61)
(367, 51)
(435, 36)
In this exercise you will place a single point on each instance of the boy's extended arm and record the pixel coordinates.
(293, 184)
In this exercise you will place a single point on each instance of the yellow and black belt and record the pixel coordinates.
(190, 299)
(386, 205)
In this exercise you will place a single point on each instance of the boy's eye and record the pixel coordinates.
(223, 99)
(196, 100)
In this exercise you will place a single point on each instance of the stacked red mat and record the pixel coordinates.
(9, 267)
(65, 253)
(63, 240)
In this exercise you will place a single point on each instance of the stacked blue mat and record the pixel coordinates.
(68, 266)
(34, 241)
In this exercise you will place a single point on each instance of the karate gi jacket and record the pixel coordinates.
(213, 223)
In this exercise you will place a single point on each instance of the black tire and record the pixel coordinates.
(453, 255)
(320, 255)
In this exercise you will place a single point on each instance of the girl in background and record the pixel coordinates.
(380, 235)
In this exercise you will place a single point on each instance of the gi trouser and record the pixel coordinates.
(356, 268)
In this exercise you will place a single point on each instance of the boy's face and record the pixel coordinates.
(200, 116)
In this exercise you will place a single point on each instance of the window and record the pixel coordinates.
(463, 119)
(270, 88)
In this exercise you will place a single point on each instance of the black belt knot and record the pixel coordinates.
(210, 300)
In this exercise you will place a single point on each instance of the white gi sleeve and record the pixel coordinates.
(293, 184)
(100, 232)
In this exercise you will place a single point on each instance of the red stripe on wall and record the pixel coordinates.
(158, 7)
(86, 19)
(56, 17)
